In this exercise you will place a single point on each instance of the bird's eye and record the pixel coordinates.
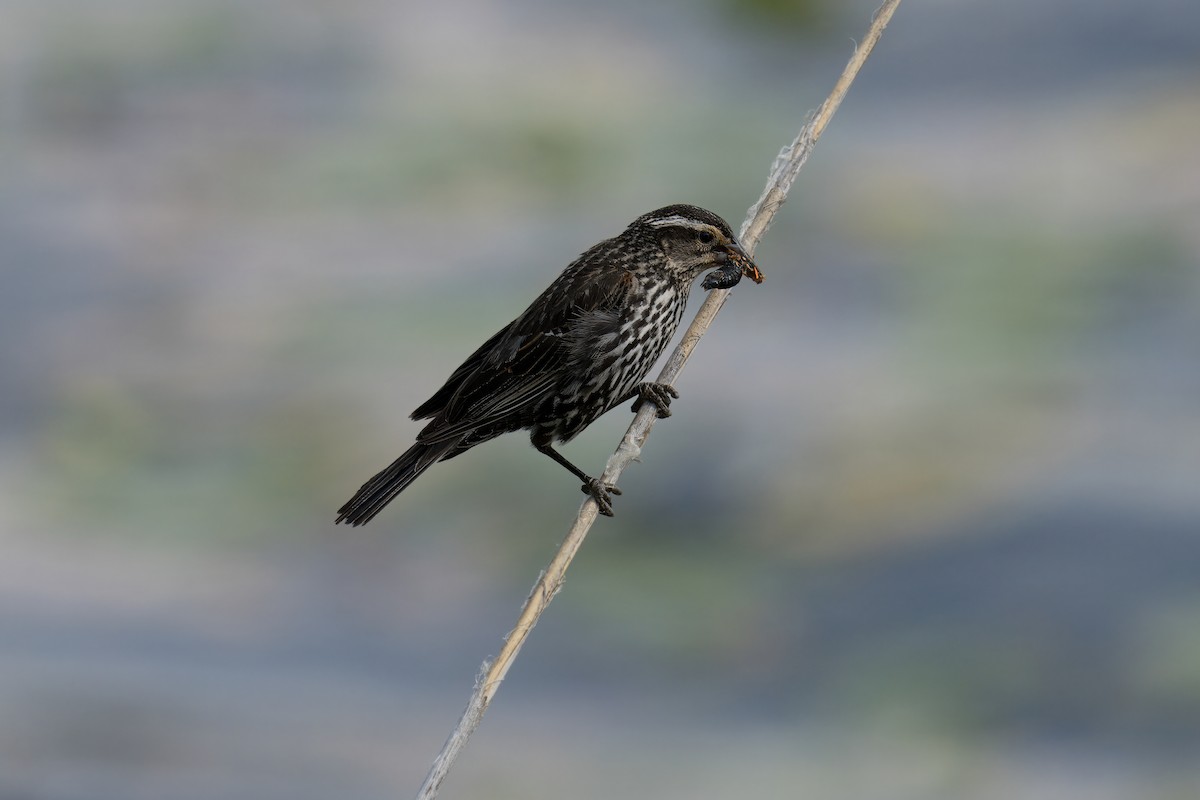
(705, 237)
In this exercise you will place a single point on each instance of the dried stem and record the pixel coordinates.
(758, 219)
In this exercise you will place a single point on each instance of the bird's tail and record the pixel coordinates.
(383, 488)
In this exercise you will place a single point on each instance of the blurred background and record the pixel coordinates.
(925, 522)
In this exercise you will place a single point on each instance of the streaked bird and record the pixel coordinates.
(582, 348)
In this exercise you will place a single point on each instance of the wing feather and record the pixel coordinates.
(510, 374)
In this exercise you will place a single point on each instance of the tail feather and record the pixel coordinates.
(383, 488)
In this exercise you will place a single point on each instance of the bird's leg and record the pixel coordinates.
(595, 487)
(659, 394)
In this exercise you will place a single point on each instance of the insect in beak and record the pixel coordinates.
(739, 265)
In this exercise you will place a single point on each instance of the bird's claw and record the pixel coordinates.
(599, 491)
(660, 394)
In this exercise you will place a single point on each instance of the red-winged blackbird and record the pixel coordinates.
(580, 349)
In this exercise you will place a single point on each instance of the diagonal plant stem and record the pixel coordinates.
(783, 173)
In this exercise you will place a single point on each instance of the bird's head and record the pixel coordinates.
(693, 240)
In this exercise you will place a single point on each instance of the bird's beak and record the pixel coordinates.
(738, 257)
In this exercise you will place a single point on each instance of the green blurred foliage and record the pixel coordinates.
(140, 461)
(790, 17)
(1020, 299)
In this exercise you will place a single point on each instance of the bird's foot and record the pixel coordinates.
(599, 491)
(660, 394)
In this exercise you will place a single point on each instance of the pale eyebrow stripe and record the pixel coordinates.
(681, 222)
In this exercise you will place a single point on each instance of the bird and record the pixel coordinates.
(580, 349)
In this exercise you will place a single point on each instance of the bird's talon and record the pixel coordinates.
(660, 394)
(600, 492)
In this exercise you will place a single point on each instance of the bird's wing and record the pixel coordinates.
(523, 362)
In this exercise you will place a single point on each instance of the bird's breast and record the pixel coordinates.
(609, 364)
(645, 332)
